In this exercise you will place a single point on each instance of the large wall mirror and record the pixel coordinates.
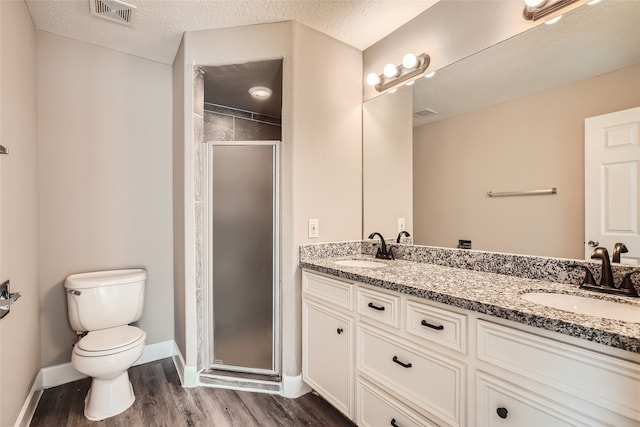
(508, 118)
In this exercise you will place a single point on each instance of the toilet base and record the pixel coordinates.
(108, 397)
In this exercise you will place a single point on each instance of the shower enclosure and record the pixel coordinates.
(243, 254)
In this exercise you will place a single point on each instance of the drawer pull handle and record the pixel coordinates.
(393, 423)
(375, 307)
(339, 331)
(429, 325)
(502, 412)
(404, 365)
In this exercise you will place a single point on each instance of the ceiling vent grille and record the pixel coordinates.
(113, 10)
(424, 113)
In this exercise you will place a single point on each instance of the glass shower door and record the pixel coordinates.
(243, 255)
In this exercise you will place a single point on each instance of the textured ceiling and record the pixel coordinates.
(158, 25)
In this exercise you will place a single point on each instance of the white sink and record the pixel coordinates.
(588, 306)
(362, 263)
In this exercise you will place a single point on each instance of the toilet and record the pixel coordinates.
(102, 304)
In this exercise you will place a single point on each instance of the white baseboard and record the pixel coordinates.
(178, 362)
(293, 387)
(31, 403)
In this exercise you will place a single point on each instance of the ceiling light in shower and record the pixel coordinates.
(260, 92)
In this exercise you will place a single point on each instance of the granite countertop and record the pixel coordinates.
(489, 293)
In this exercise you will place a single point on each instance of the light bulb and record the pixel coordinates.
(390, 70)
(431, 74)
(409, 61)
(394, 90)
(534, 3)
(592, 2)
(373, 79)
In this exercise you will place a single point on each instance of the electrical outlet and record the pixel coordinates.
(401, 226)
(314, 230)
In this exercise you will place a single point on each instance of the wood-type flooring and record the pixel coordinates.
(161, 401)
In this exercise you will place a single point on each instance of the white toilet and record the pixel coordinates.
(103, 303)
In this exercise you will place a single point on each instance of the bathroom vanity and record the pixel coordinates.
(416, 344)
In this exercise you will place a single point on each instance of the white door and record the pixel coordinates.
(611, 164)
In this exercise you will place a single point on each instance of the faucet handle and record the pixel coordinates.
(627, 283)
(588, 276)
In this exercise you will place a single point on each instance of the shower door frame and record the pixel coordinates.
(208, 271)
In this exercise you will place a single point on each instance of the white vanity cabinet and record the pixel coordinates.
(525, 379)
(406, 361)
(328, 339)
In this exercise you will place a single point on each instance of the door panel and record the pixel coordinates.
(612, 154)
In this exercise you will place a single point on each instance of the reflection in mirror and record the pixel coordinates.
(511, 118)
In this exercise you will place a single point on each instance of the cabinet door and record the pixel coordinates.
(327, 355)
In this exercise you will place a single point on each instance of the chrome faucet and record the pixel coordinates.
(382, 251)
(618, 249)
(403, 232)
(606, 278)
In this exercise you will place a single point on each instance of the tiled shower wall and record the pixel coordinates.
(230, 124)
(213, 122)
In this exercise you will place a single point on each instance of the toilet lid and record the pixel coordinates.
(109, 339)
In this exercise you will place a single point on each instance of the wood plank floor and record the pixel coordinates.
(161, 401)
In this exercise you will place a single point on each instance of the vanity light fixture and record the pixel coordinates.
(392, 75)
(536, 9)
(429, 75)
(260, 92)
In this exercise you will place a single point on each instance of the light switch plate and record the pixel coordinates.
(401, 225)
(314, 230)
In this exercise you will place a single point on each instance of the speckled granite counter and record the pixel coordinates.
(488, 293)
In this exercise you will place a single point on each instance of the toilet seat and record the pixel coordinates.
(104, 342)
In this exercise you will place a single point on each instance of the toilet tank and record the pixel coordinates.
(105, 299)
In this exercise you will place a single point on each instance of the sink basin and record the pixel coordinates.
(362, 263)
(588, 306)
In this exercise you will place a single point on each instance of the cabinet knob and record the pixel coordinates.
(502, 412)
(394, 423)
(339, 331)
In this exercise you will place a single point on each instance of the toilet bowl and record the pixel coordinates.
(105, 355)
(102, 304)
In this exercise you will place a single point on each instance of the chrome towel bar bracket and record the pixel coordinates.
(4, 150)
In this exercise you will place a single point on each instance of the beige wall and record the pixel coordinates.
(105, 179)
(178, 176)
(320, 153)
(326, 120)
(530, 143)
(387, 153)
(20, 330)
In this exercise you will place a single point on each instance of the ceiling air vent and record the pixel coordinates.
(424, 113)
(113, 10)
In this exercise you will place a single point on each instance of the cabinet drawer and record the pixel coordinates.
(501, 404)
(423, 379)
(337, 292)
(436, 325)
(602, 380)
(375, 409)
(379, 306)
